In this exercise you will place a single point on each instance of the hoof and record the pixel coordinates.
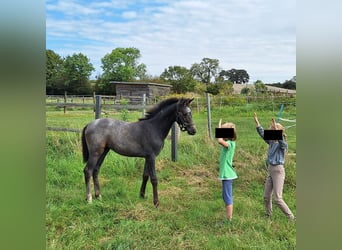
(89, 199)
(99, 197)
(156, 204)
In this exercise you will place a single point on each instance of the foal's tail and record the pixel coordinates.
(84, 146)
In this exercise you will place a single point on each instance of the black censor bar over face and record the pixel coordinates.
(224, 132)
(273, 135)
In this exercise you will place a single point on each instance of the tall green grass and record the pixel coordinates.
(191, 208)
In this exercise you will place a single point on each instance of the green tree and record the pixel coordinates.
(289, 84)
(122, 65)
(77, 70)
(245, 91)
(103, 87)
(226, 87)
(54, 69)
(206, 71)
(260, 87)
(180, 78)
(238, 76)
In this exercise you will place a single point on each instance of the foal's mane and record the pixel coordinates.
(156, 109)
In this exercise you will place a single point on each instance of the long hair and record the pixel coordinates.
(233, 126)
(281, 127)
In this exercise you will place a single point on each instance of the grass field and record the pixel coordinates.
(191, 208)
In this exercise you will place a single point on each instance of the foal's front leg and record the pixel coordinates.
(149, 170)
(144, 181)
(154, 180)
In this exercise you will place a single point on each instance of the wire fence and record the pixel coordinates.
(261, 102)
(105, 105)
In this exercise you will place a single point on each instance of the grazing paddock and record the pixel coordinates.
(191, 207)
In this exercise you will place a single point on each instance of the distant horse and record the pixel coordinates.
(144, 138)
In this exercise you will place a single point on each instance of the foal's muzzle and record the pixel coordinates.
(191, 130)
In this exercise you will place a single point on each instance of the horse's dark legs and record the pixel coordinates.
(143, 185)
(92, 170)
(154, 181)
(149, 171)
(88, 172)
(96, 183)
(96, 173)
(146, 174)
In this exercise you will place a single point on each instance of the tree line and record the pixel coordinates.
(72, 74)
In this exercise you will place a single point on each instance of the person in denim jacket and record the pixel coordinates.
(276, 172)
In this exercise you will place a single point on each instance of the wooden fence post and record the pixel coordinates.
(144, 105)
(65, 100)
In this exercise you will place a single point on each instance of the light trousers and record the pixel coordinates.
(274, 184)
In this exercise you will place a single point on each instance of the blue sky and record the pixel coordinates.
(258, 36)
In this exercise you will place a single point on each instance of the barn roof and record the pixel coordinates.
(142, 83)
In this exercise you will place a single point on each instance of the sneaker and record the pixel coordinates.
(267, 217)
(292, 218)
(223, 223)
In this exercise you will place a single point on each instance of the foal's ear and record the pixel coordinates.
(190, 100)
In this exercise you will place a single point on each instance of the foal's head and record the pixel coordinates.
(184, 116)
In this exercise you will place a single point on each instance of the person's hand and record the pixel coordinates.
(219, 125)
(273, 124)
(256, 119)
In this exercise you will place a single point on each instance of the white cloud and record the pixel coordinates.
(258, 36)
(129, 14)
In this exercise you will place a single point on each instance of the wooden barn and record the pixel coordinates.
(134, 91)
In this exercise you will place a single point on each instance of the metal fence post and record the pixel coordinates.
(174, 139)
(209, 114)
(97, 107)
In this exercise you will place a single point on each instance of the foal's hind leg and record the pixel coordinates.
(88, 172)
(96, 173)
(91, 169)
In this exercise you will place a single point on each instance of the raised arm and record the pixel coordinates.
(273, 124)
(256, 120)
(259, 128)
